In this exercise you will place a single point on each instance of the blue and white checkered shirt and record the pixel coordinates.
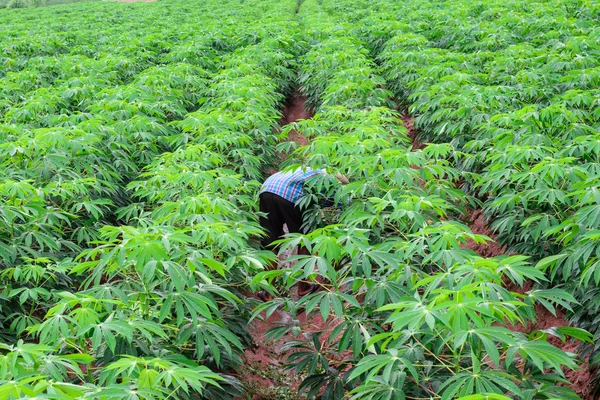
(289, 184)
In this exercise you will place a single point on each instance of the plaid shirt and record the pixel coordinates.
(289, 184)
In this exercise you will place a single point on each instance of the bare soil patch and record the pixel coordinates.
(409, 123)
(263, 373)
(294, 110)
(480, 226)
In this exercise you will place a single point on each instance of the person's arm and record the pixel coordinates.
(342, 178)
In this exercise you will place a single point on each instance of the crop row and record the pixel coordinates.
(513, 86)
(72, 142)
(141, 214)
(133, 142)
(410, 313)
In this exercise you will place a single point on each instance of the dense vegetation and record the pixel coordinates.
(35, 3)
(130, 152)
(133, 139)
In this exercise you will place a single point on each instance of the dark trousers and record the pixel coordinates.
(279, 211)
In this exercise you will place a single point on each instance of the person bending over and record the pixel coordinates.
(278, 200)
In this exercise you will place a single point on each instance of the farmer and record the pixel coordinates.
(278, 197)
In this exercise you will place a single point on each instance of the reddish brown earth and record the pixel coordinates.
(295, 109)
(409, 123)
(479, 226)
(263, 373)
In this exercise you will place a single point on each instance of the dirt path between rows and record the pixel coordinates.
(263, 373)
(411, 130)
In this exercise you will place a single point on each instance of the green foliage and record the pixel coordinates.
(36, 3)
(130, 157)
(409, 311)
(133, 139)
(16, 4)
(35, 370)
(513, 86)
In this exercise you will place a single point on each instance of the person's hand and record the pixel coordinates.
(342, 178)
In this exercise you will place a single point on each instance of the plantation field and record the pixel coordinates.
(133, 142)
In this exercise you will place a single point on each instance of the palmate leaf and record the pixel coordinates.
(591, 271)
(380, 389)
(549, 297)
(188, 305)
(549, 261)
(310, 355)
(59, 367)
(27, 377)
(357, 335)
(20, 388)
(159, 374)
(411, 314)
(213, 290)
(212, 336)
(563, 332)
(487, 381)
(484, 396)
(269, 307)
(385, 292)
(542, 355)
(488, 337)
(308, 265)
(390, 363)
(470, 310)
(328, 302)
(106, 332)
(517, 269)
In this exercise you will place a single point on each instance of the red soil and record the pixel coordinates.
(409, 123)
(263, 370)
(479, 226)
(294, 110)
